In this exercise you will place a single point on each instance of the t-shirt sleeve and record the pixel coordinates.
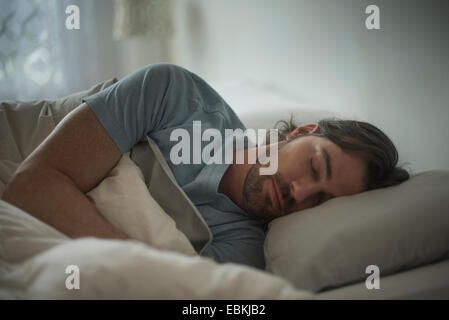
(153, 98)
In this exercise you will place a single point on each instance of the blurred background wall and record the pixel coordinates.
(318, 52)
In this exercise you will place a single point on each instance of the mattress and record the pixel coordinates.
(427, 282)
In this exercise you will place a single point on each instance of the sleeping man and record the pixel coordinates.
(315, 162)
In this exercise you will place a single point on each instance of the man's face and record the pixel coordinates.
(311, 170)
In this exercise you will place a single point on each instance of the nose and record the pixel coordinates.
(301, 190)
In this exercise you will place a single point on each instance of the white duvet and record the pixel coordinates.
(159, 264)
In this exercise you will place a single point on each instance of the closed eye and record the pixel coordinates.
(315, 174)
(319, 198)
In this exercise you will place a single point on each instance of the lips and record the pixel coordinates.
(277, 198)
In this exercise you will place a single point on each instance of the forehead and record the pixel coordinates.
(348, 169)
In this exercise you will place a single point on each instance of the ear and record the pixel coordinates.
(308, 128)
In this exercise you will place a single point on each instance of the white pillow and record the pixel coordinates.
(249, 97)
(395, 228)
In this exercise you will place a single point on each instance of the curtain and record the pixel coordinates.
(140, 17)
(39, 56)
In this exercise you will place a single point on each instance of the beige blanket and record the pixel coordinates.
(160, 264)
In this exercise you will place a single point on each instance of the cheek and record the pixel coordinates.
(293, 162)
(291, 168)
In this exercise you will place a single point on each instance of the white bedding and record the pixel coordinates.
(112, 269)
(162, 265)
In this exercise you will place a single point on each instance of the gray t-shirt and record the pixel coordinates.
(154, 101)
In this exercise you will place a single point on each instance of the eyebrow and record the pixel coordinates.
(328, 163)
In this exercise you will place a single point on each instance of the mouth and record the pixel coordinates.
(277, 198)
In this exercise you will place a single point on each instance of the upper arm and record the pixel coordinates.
(153, 98)
(79, 147)
(89, 141)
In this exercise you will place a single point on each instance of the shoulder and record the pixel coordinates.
(167, 69)
(183, 86)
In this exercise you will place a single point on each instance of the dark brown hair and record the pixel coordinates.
(363, 139)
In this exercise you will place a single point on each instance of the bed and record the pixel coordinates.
(319, 253)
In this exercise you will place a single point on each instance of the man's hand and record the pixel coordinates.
(51, 183)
